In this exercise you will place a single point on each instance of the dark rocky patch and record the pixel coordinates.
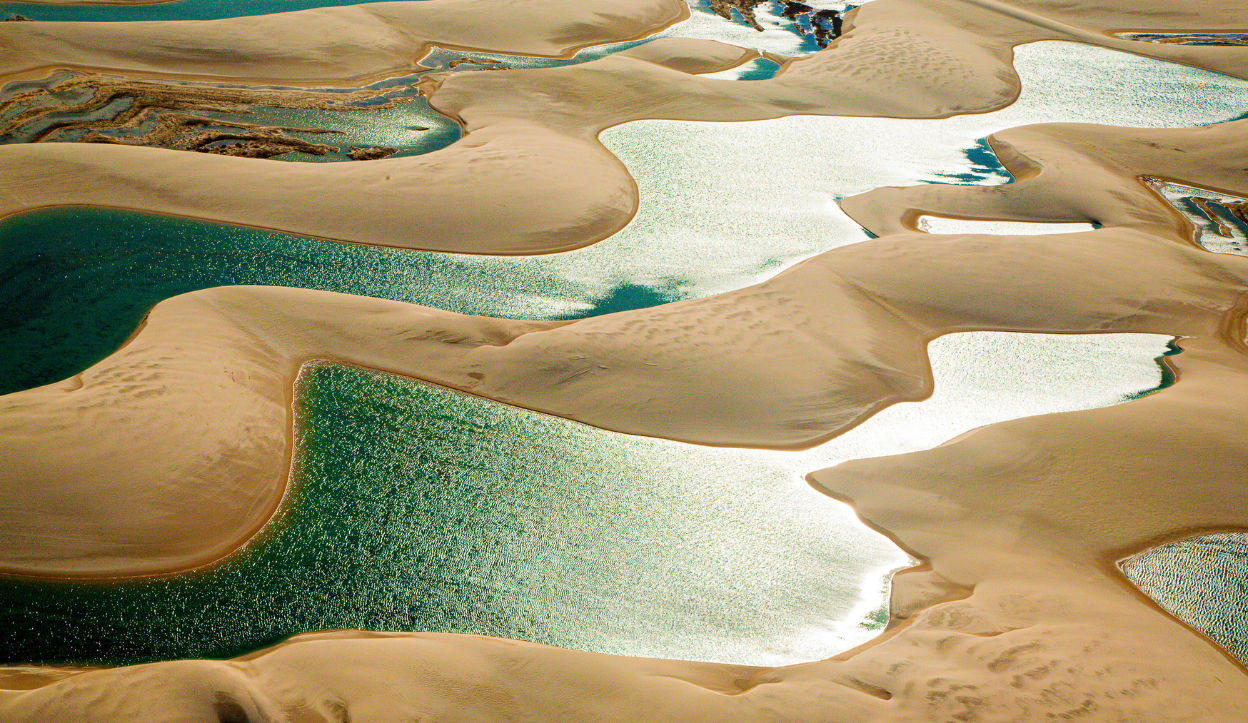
(371, 153)
(745, 8)
(165, 110)
(822, 25)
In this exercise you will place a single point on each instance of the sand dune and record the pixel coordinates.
(1018, 615)
(343, 44)
(842, 335)
(551, 186)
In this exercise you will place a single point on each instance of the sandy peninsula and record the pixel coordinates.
(1018, 613)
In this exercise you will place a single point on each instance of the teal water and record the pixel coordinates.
(417, 508)
(779, 34)
(390, 470)
(411, 127)
(1202, 581)
(413, 507)
(75, 281)
(177, 10)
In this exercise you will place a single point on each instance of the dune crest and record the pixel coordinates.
(528, 134)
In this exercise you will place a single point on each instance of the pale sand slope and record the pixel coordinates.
(531, 163)
(1022, 517)
(190, 422)
(333, 44)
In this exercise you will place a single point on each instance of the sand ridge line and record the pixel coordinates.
(530, 132)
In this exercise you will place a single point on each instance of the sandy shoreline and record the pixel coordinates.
(1019, 613)
(536, 131)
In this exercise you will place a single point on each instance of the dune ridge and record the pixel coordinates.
(1018, 613)
(528, 132)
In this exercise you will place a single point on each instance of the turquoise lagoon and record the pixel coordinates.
(77, 280)
(417, 508)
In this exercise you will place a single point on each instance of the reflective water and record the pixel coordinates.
(418, 508)
(176, 10)
(1202, 581)
(724, 205)
(79, 279)
(76, 281)
(1215, 225)
(779, 35)
(412, 127)
(940, 224)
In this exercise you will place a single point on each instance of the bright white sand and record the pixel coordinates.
(1019, 615)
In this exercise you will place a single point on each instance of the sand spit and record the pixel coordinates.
(551, 186)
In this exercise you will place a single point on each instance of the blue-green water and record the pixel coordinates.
(76, 281)
(177, 10)
(411, 127)
(417, 508)
(780, 35)
(384, 528)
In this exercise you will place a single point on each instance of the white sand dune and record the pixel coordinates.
(1018, 614)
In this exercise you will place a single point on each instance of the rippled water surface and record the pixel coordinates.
(412, 127)
(1215, 225)
(413, 507)
(779, 35)
(1202, 581)
(417, 508)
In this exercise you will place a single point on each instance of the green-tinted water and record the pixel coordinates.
(74, 282)
(417, 508)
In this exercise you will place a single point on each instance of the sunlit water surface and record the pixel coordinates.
(723, 205)
(1202, 581)
(779, 34)
(940, 224)
(417, 508)
(557, 532)
(1214, 226)
(413, 128)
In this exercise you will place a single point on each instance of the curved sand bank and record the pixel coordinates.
(1021, 616)
(552, 186)
(332, 45)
